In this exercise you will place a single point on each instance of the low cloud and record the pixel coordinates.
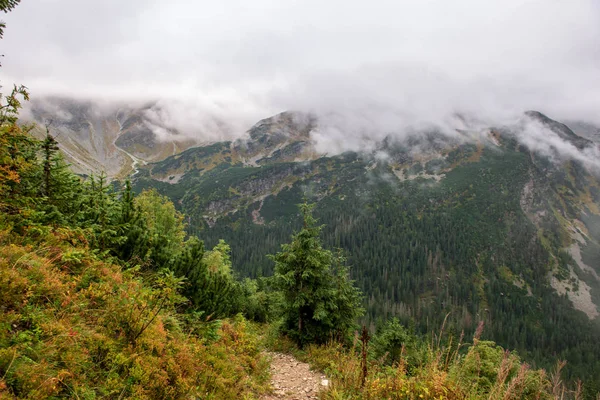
(201, 120)
(366, 70)
(539, 138)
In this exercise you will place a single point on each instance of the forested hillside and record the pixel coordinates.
(476, 226)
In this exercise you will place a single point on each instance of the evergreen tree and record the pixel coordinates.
(102, 212)
(210, 286)
(58, 187)
(348, 299)
(6, 6)
(153, 228)
(127, 206)
(164, 227)
(319, 304)
(49, 149)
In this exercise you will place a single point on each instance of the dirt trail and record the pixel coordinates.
(292, 379)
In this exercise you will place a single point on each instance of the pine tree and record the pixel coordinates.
(319, 304)
(49, 149)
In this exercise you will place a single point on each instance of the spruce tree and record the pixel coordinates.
(102, 213)
(348, 299)
(210, 286)
(319, 304)
(59, 188)
(49, 150)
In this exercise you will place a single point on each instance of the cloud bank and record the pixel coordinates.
(366, 69)
(539, 138)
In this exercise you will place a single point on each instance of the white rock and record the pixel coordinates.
(324, 382)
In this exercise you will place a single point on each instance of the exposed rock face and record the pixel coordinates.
(284, 137)
(578, 292)
(558, 200)
(255, 190)
(85, 135)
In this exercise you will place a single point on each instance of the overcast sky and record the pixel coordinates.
(383, 62)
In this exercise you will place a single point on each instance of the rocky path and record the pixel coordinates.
(292, 379)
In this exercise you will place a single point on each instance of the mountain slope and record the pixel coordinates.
(110, 138)
(473, 224)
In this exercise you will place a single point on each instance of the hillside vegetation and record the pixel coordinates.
(74, 326)
(105, 296)
(477, 227)
(107, 293)
(89, 308)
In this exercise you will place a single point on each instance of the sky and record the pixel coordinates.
(375, 66)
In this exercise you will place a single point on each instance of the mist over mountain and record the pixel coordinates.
(108, 137)
(114, 137)
(207, 73)
(362, 70)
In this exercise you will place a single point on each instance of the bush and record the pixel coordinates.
(394, 342)
(109, 333)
